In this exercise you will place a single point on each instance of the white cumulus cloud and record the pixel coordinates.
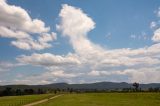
(156, 36)
(48, 59)
(16, 23)
(89, 62)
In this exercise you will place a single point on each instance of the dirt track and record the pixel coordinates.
(42, 101)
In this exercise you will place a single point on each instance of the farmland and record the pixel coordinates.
(21, 100)
(106, 99)
(87, 99)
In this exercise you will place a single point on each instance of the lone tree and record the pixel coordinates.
(136, 85)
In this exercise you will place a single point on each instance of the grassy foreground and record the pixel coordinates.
(21, 100)
(106, 99)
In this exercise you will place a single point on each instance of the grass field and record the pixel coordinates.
(106, 99)
(21, 100)
(87, 99)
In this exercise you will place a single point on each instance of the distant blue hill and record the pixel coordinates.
(97, 85)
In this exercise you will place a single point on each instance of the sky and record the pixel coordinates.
(79, 41)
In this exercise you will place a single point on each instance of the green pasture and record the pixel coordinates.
(87, 99)
(21, 100)
(106, 99)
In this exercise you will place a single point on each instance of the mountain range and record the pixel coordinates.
(97, 85)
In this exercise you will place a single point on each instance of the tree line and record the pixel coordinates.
(8, 91)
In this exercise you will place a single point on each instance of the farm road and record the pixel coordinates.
(42, 101)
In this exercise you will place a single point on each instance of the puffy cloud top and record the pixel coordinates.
(156, 36)
(17, 18)
(16, 23)
(74, 21)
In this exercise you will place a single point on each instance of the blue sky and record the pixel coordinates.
(78, 41)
